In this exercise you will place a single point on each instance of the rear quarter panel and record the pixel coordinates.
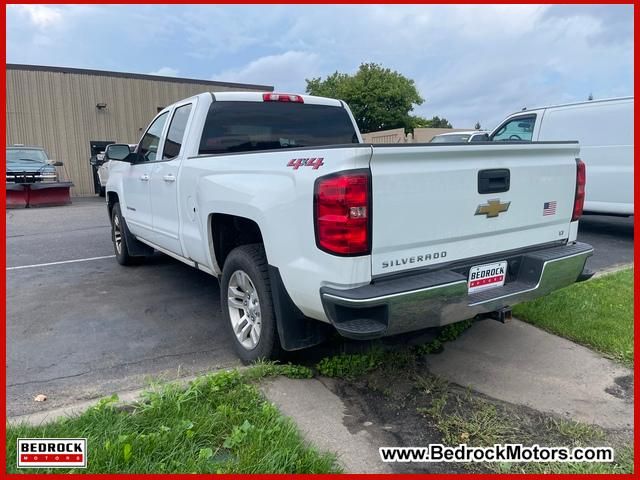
(261, 187)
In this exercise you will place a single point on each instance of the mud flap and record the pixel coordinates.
(296, 331)
(136, 247)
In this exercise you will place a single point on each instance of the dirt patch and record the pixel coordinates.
(622, 388)
(405, 405)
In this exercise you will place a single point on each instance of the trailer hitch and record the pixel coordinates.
(503, 315)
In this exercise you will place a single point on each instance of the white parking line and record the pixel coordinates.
(60, 263)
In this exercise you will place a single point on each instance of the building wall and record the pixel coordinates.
(56, 109)
(395, 135)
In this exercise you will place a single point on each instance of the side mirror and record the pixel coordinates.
(58, 164)
(119, 152)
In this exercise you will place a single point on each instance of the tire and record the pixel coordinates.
(119, 239)
(251, 326)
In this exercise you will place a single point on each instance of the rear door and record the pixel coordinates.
(435, 204)
(163, 185)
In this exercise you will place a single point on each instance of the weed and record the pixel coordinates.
(350, 366)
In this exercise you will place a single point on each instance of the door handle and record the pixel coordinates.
(144, 178)
(169, 178)
(496, 180)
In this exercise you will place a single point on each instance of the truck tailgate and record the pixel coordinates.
(427, 208)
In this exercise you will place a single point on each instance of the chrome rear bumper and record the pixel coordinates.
(421, 300)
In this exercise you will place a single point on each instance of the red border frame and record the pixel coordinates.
(319, 477)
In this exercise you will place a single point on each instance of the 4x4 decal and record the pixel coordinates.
(312, 162)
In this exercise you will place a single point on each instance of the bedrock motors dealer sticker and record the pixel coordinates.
(52, 452)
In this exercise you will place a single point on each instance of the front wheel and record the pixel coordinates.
(245, 297)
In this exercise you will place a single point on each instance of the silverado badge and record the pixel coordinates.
(492, 208)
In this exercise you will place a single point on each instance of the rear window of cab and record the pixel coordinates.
(233, 127)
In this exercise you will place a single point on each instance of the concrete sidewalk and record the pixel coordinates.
(521, 364)
(516, 363)
(320, 415)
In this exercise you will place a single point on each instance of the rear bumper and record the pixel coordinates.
(416, 301)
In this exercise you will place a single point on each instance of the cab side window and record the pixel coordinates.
(516, 129)
(175, 135)
(148, 147)
(480, 137)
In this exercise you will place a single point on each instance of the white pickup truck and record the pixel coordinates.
(310, 231)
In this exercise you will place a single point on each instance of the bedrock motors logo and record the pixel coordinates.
(52, 452)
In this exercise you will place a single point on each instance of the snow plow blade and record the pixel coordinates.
(17, 195)
(49, 194)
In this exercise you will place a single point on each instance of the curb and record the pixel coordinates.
(125, 398)
(612, 269)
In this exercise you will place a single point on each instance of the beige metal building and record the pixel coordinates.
(74, 112)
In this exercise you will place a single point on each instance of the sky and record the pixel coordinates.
(470, 63)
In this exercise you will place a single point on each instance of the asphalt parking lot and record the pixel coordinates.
(85, 329)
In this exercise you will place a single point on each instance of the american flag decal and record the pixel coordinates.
(549, 208)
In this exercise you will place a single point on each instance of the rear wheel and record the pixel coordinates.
(245, 297)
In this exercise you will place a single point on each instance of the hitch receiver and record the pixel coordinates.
(503, 315)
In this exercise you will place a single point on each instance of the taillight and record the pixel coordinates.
(581, 181)
(342, 213)
(281, 97)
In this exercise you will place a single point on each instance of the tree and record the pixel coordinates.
(379, 98)
(435, 122)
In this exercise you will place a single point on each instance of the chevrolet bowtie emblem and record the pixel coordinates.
(492, 208)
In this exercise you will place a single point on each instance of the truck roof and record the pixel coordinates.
(258, 97)
(24, 147)
(571, 104)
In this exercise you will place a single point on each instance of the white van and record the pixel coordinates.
(604, 129)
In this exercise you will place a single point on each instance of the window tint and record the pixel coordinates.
(175, 135)
(148, 147)
(519, 128)
(248, 126)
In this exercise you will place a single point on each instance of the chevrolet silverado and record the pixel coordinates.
(310, 231)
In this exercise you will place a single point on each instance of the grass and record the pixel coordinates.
(597, 313)
(623, 463)
(351, 366)
(218, 424)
